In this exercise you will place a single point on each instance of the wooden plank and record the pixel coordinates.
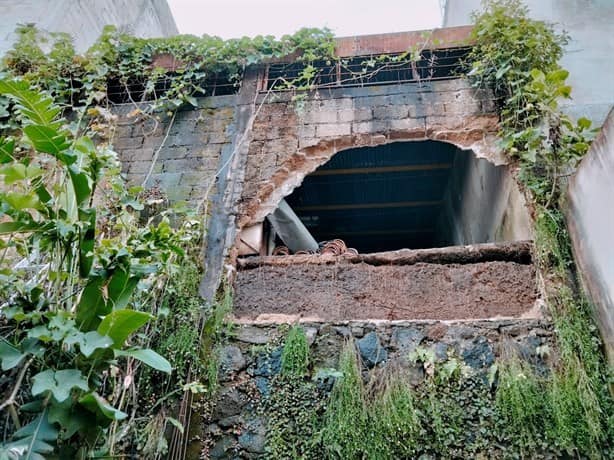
(517, 251)
(381, 169)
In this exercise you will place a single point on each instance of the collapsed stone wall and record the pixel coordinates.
(292, 137)
(237, 156)
(237, 426)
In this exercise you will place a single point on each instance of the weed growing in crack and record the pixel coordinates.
(213, 334)
(521, 404)
(344, 431)
(294, 404)
(394, 413)
(295, 355)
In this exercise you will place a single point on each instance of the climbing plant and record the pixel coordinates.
(127, 61)
(518, 57)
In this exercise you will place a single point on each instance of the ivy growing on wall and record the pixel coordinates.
(124, 60)
(518, 57)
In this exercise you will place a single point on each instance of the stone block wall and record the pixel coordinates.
(236, 427)
(183, 154)
(291, 137)
(243, 153)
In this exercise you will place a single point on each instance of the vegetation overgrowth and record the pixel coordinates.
(94, 300)
(123, 61)
(96, 303)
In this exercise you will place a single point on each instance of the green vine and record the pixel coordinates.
(127, 61)
(80, 275)
(518, 57)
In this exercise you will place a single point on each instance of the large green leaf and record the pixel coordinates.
(102, 295)
(149, 357)
(14, 172)
(9, 355)
(71, 418)
(87, 239)
(18, 227)
(89, 342)
(21, 201)
(80, 184)
(43, 194)
(119, 324)
(41, 333)
(584, 123)
(85, 145)
(34, 105)
(59, 383)
(7, 146)
(92, 304)
(32, 440)
(99, 406)
(49, 140)
(121, 287)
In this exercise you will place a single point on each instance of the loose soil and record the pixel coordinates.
(362, 291)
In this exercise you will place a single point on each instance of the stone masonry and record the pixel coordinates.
(186, 151)
(237, 428)
(237, 156)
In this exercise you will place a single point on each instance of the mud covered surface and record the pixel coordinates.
(362, 291)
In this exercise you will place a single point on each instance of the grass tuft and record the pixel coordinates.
(295, 355)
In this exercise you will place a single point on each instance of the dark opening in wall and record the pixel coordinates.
(407, 195)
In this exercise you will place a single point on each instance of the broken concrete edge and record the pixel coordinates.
(517, 251)
(273, 321)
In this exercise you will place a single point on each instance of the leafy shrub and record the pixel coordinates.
(75, 284)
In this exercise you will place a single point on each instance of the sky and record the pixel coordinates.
(238, 18)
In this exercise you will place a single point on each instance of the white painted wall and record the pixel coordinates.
(85, 19)
(482, 204)
(591, 225)
(588, 56)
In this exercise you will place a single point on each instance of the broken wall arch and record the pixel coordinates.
(407, 194)
(291, 140)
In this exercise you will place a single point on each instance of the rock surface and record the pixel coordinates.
(371, 350)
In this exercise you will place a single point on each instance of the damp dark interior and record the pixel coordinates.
(401, 195)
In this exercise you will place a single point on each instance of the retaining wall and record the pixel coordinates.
(236, 427)
(591, 224)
